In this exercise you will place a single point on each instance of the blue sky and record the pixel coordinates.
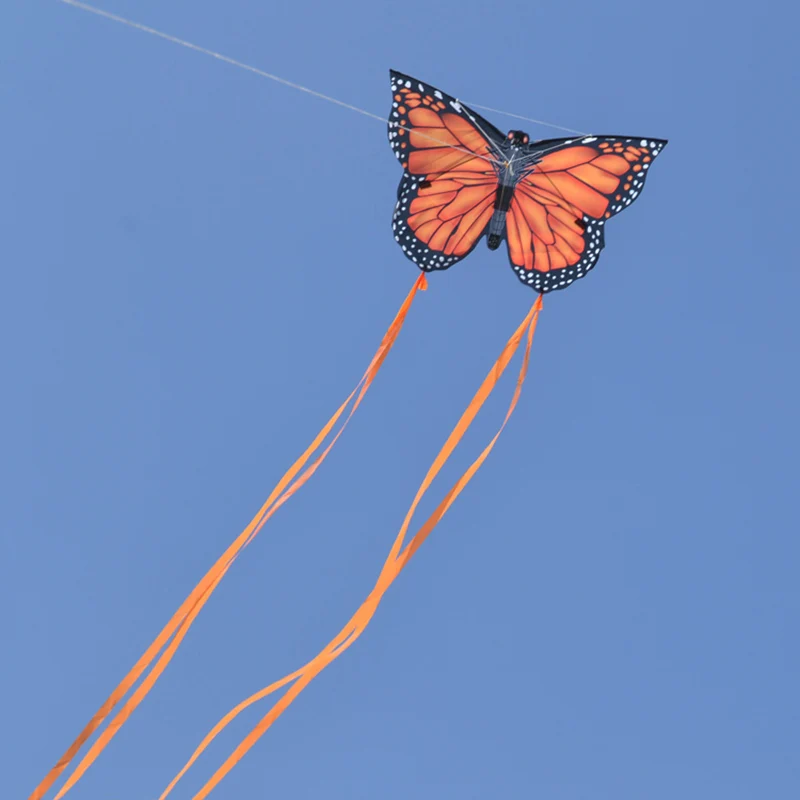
(197, 267)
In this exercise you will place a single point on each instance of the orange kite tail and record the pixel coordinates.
(394, 564)
(182, 619)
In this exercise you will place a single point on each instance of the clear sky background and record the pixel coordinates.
(197, 265)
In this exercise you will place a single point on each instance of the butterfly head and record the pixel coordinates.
(517, 138)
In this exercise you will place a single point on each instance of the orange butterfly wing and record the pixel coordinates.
(446, 197)
(555, 222)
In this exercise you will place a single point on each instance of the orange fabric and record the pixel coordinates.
(567, 158)
(180, 622)
(439, 159)
(394, 564)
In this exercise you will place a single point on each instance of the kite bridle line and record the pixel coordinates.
(485, 135)
(527, 119)
(470, 153)
(291, 84)
(532, 157)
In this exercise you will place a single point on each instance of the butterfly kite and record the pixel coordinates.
(463, 180)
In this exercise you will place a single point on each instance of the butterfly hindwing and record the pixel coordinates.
(439, 220)
(555, 223)
(446, 196)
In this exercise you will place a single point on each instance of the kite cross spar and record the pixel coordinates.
(463, 180)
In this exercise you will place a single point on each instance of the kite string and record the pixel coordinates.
(190, 608)
(220, 57)
(291, 84)
(391, 569)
